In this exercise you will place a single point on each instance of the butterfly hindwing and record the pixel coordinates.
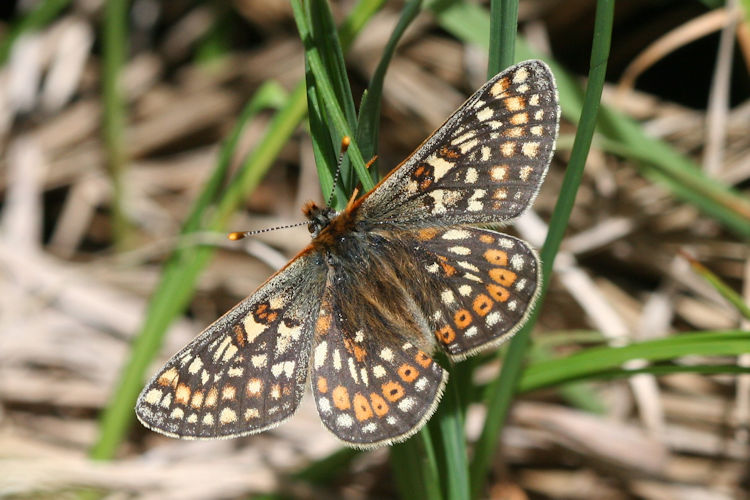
(372, 384)
(484, 164)
(246, 372)
(478, 285)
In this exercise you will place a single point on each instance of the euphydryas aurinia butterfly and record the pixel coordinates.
(385, 282)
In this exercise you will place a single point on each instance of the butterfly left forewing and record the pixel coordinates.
(246, 372)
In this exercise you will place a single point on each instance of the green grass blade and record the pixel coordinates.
(502, 47)
(718, 284)
(323, 149)
(447, 429)
(114, 48)
(328, 98)
(503, 388)
(369, 110)
(325, 38)
(681, 176)
(415, 469)
(603, 361)
(44, 13)
(181, 271)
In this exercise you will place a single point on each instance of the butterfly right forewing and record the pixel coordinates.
(484, 164)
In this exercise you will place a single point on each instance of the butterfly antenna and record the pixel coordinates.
(345, 141)
(238, 235)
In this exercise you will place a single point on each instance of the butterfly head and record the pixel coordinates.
(318, 217)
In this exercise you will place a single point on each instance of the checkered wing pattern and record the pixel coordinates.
(373, 384)
(477, 288)
(246, 372)
(484, 164)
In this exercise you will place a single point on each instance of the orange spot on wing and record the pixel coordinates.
(519, 118)
(462, 318)
(451, 153)
(498, 293)
(239, 335)
(212, 396)
(393, 391)
(423, 359)
(496, 257)
(446, 335)
(378, 404)
(447, 268)
(505, 277)
(407, 372)
(427, 234)
(486, 238)
(182, 394)
(482, 304)
(362, 408)
(322, 385)
(323, 324)
(197, 400)
(515, 103)
(341, 398)
(358, 352)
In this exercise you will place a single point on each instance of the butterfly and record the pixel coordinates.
(386, 282)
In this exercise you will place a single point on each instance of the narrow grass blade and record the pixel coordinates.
(369, 110)
(324, 37)
(447, 430)
(603, 361)
(502, 47)
(114, 48)
(328, 98)
(718, 284)
(415, 469)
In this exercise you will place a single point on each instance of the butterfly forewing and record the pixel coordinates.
(485, 163)
(246, 372)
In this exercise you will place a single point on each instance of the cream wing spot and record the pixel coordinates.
(520, 75)
(195, 366)
(153, 396)
(227, 416)
(456, 234)
(321, 353)
(485, 114)
(530, 149)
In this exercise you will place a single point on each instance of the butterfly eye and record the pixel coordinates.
(311, 227)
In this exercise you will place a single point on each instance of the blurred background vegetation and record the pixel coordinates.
(134, 134)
